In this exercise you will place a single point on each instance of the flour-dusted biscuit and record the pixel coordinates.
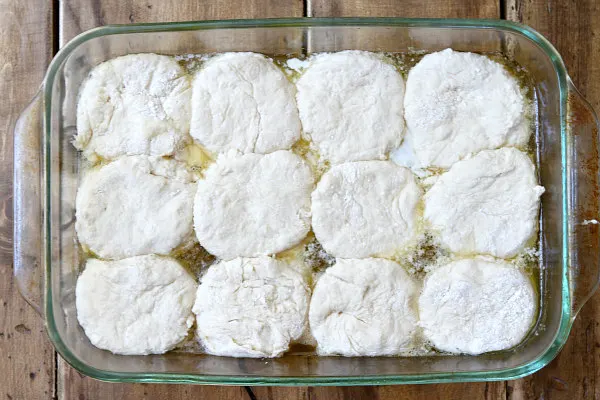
(244, 102)
(252, 204)
(251, 307)
(474, 306)
(135, 205)
(364, 307)
(460, 103)
(138, 305)
(487, 204)
(350, 105)
(134, 104)
(366, 208)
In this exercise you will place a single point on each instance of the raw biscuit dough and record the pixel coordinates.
(350, 105)
(135, 205)
(250, 205)
(476, 305)
(138, 305)
(460, 103)
(365, 208)
(364, 308)
(251, 307)
(135, 104)
(242, 101)
(487, 204)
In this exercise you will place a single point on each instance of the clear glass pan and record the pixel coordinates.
(46, 173)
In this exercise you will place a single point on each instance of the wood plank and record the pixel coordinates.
(573, 28)
(483, 391)
(73, 385)
(406, 8)
(77, 16)
(27, 363)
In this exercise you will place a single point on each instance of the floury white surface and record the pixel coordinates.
(364, 308)
(487, 204)
(244, 102)
(251, 205)
(366, 209)
(251, 307)
(460, 103)
(350, 105)
(476, 305)
(134, 206)
(135, 104)
(138, 305)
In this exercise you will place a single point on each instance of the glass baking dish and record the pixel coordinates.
(46, 260)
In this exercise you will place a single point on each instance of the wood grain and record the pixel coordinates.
(480, 391)
(574, 29)
(73, 385)
(25, 51)
(80, 15)
(406, 8)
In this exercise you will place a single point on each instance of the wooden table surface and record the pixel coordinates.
(31, 31)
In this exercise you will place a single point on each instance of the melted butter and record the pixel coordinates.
(308, 257)
(196, 157)
(194, 258)
(310, 154)
(281, 62)
(193, 62)
(302, 349)
(297, 252)
(404, 61)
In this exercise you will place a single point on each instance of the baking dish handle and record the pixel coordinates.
(584, 271)
(27, 233)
